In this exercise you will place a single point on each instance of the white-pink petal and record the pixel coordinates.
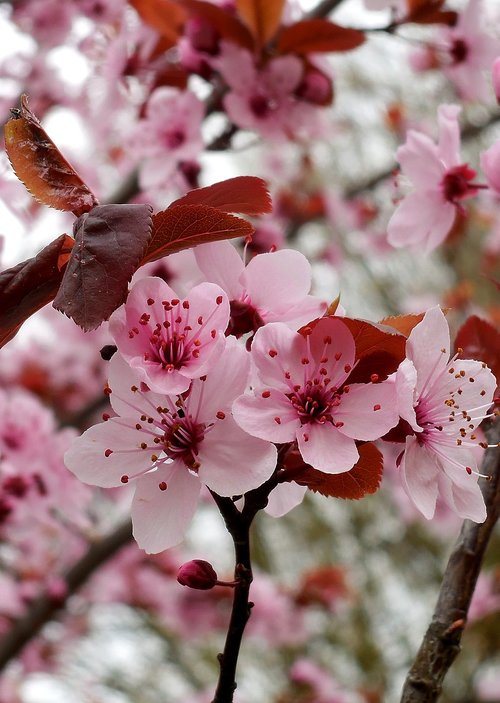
(233, 462)
(419, 475)
(284, 498)
(428, 347)
(259, 416)
(368, 411)
(86, 457)
(221, 264)
(326, 449)
(277, 280)
(161, 517)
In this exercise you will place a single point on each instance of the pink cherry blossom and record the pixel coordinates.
(302, 395)
(443, 401)
(273, 287)
(266, 99)
(168, 135)
(170, 446)
(470, 52)
(426, 215)
(166, 340)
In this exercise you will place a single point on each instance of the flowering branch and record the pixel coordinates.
(43, 609)
(238, 525)
(441, 642)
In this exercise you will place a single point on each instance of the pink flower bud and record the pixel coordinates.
(197, 574)
(496, 78)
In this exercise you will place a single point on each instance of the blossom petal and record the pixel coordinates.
(257, 416)
(233, 462)
(87, 460)
(419, 160)
(419, 474)
(326, 449)
(277, 280)
(422, 219)
(284, 498)
(368, 411)
(221, 264)
(161, 517)
(406, 383)
(461, 490)
(275, 350)
(428, 347)
(226, 380)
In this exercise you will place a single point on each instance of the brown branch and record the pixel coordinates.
(45, 607)
(441, 642)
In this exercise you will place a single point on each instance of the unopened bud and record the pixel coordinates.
(197, 574)
(496, 78)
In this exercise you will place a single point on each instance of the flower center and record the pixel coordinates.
(459, 51)
(456, 183)
(314, 402)
(261, 105)
(182, 439)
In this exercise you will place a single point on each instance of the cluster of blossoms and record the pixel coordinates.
(208, 388)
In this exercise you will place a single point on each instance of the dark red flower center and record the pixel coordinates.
(456, 183)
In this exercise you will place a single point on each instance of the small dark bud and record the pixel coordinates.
(107, 351)
(197, 574)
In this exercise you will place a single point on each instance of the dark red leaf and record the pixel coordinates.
(364, 478)
(185, 226)
(245, 194)
(42, 168)
(429, 12)
(29, 286)
(262, 17)
(109, 244)
(225, 24)
(166, 16)
(478, 339)
(318, 35)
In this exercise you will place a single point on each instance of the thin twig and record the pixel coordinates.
(441, 642)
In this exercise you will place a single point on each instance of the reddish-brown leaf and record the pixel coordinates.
(228, 26)
(379, 350)
(42, 168)
(166, 16)
(185, 226)
(109, 244)
(429, 12)
(245, 194)
(403, 323)
(262, 17)
(478, 339)
(29, 286)
(364, 478)
(318, 35)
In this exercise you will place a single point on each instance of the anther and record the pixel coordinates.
(108, 452)
(220, 415)
(162, 486)
(150, 301)
(124, 478)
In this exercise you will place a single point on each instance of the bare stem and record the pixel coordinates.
(238, 525)
(441, 642)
